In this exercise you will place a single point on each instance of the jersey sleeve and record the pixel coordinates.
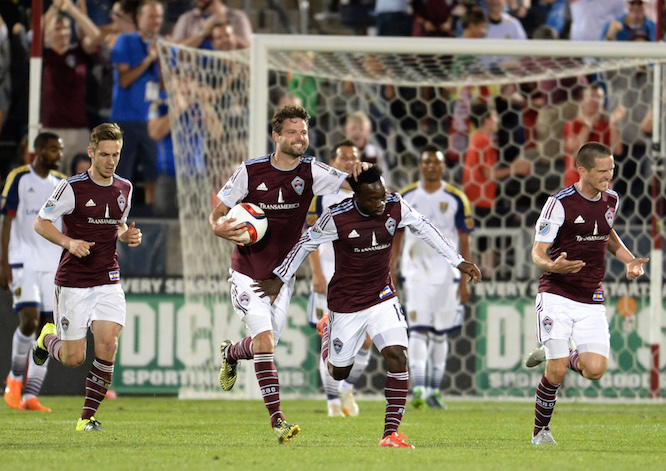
(424, 229)
(325, 179)
(236, 188)
(314, 211)
(60, 203)
(323, 231)
(550, 220)
(128, 205)
(10, 198)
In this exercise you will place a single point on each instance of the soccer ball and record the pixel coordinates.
(256, 223)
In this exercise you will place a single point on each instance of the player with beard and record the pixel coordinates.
(361, 294)
(28, 265)
(282, 184)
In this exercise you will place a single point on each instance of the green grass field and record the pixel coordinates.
(146, 433)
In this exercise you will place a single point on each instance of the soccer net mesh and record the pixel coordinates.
(411, 99)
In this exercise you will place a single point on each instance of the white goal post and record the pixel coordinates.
(486, 356)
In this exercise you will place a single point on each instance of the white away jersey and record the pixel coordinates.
(449, 210)
(23, 195)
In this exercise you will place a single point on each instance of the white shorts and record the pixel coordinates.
(258, 313)
(317, 306)
(32, 289)
(561, 319)
(384, 322)
(434, 308)
(77, 308)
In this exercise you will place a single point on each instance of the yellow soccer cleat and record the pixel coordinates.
(285, 432)
(88, 425)
(39, 353)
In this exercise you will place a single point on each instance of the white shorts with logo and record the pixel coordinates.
(384, 322)
(434, 308)
(317, 307)
(32, 288)
(258, 313)
(77, 308)
(560, 318)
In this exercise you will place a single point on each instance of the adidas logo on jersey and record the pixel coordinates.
(262, 187)
(579, 220)
(353, 234)
(90, 203)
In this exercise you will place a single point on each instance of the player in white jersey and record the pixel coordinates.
(434, 293)
(28, 265)
(339, 394)
(282, 184)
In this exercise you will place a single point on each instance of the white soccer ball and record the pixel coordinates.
(256, 222)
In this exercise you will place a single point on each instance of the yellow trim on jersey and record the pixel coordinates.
(463, 197)
(12, 175)
(312, 215)
(58, 174)
(411, 187)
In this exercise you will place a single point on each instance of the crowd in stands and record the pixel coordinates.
(100, 64)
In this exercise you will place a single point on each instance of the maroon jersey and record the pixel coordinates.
(362, 246)
(581, 228)
(90, 212)
(285, 197)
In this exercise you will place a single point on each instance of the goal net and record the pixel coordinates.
(416, 92)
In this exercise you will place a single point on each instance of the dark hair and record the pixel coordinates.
(430, 148)
(345, 143)
(369, 176)
(76, 160)
(590, 152)
(545, 32)
(43, 138)
(479, 111)
(289, 112)
(473, 16)
(105, 132)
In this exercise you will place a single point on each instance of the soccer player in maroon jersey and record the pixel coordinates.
(573, 234)
(94, 207)
(361, 294)
(282, 184)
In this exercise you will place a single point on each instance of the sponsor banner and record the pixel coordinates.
(506, 335)
(167, 344)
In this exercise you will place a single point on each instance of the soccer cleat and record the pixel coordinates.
(228, 373)
(13, 392)
(39, 353)
(321, 322)
(88, 425)
(435, 401)
(544, 437)
(335, 410)
(33, 404)
(418, 401)
(395, 440)
(349, 406)
(284, 431)
(535, 358)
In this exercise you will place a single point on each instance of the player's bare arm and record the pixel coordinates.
(561, 264)
(77, 247)
(269, 287)
(224, 227)
(130, 235)
(470, 270)
(634, 264)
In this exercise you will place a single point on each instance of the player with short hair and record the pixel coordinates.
(361, 294)
(573, 234)
(93, 207)
(282, 184)
(28, 265)
(434, 292)
(339, 394)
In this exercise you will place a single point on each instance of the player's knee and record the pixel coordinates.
(594, 371)
(396, 358)
(28, 321)
(339, 373)
(555, 372)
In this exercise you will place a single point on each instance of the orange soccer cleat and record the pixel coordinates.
(33, 404)
(13, 392)
(395, 440)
